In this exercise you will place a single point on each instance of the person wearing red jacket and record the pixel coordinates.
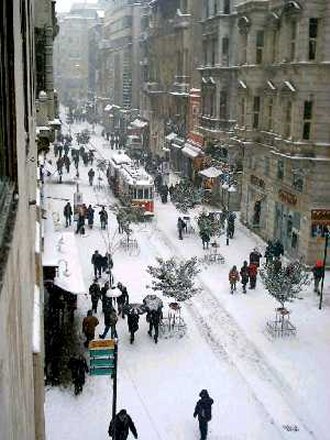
(253, 272)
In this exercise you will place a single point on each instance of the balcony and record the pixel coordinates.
(216, 125)
(7, 221)
(181, 21)
(180, 89)
(153, 88)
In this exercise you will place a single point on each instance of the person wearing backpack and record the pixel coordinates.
(203, 410)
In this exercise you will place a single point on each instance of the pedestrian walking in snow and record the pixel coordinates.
(203, 411)
(78, 366)
(133, 325)
(318, 274)
(67, 163)
(205, 236)
(88, 327)
(106, 301)
(121, 425)
(97, 263)
(67, 211)
(233, 278)
(253, 271)
(103, 218)
(91, 174)
(244, 275)
(122, 299)
(110, 321)
(153, 318)
(95, 293)
(120, 224)
(231, 224)
(180, 225)
(81, 220)
(107, 264)
(255, 257)
(90, 216)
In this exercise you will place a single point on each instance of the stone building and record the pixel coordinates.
(172, 47)
(21, 352)
(71, 51)
(282, 108)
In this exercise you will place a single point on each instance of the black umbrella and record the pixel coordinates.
(153, 302)
(134, 309)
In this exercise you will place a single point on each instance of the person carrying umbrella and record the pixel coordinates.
(122, 299)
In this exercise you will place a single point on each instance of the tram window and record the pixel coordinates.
(140, 193)
(151, 193)
(146, 193)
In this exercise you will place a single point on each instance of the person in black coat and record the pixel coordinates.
(78, 367)
(180, 225)
(67, 214)
(133, 324)
(122, 299)
(203, 411)
(121, 425)
(244, 275)
(153, 318)
(97, 261)
(95, 293)
(255, 256)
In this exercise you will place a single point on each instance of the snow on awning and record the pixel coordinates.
(170, 136)
(211, 173)
(138, 123)
(55, 121)
(191, 151)
(289, 86)
(271, 86)
(211, 80)
(177, 146)
(108, 107)
(61, 251)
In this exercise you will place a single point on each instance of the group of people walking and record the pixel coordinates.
(82, 214)
(247, 274)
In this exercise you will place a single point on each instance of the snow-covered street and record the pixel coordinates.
(262, 388)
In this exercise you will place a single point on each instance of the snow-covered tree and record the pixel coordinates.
(175, 278)
(210, 225)
(185, 196)
(126, 215)
(284, 283)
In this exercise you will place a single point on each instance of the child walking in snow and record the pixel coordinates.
(233, 278)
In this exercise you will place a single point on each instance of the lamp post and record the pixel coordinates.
(326, 243)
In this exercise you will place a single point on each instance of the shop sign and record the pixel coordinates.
(257, 181)
(320, 222)
(286, 197)
(196, 139)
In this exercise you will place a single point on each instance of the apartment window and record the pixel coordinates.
(225, 51)
(226, 6)
(259, 46)
(274, 41)
(308, 114)
(242, 112)
(293, 34)
(269, 114)
(207, 9)
(214, 44)
(256, 111)
(266, 166)
(244, 40)
(298, 181)
(223, 105)
(313, 31)
(280, 169)
(288, 120)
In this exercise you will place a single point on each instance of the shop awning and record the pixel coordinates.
(191, 151)
(177, 146)
(170, 136)
(211, 173)
(287, 85)
(138, 123)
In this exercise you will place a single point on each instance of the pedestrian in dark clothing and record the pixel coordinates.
(95, 293)
(231, 224)
(255, 256)
(81, 220)
(153, 318)
(97, 261)
(122, 299)
(67, 163)
(88, 327)
(107, 263)
(253, 271)
(205, 236)
(133, 324)
(110, 321)
(164, 193)
(106, 301)
(233, 278)
(103, 218)
(203, 411)
(278, 248)
(180, 225)
(78, 367)
(244, 275)
(318, 274)
(67, 214)
(120, 223)
(90, 216)
(269, 253)
(91, 174)
(277, 263)
(121, 425)
(91, 157)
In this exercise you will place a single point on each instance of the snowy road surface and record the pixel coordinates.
(223, 349)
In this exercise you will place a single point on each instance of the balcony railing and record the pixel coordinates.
(214, 124)
(153, 87)
(7, 220)
(180, 89)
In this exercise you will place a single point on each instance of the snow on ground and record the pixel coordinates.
(258, 384)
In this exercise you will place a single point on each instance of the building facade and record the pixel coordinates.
(282, 121)
(21, 352)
